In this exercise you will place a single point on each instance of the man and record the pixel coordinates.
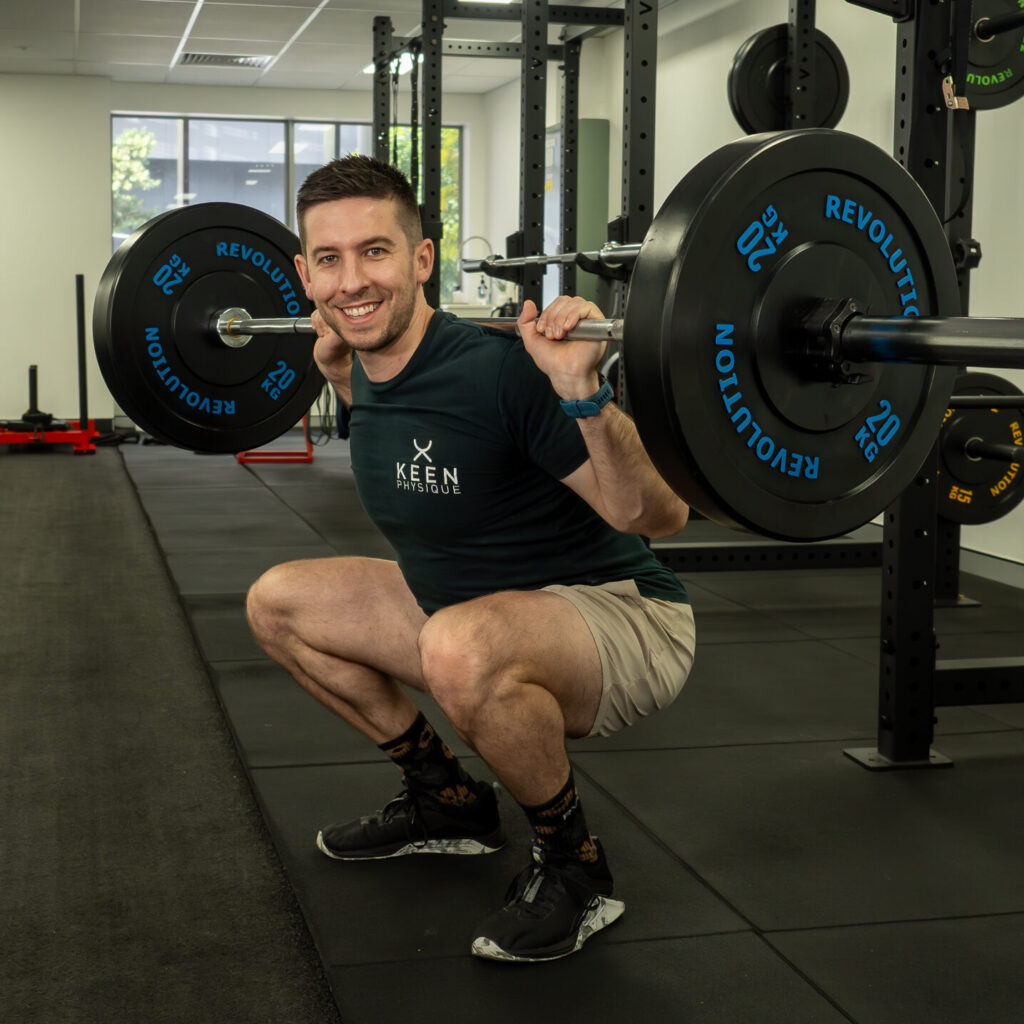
(507, 485)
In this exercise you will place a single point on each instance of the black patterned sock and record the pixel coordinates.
(560, 827)
(429, 765)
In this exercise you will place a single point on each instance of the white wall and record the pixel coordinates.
(55, 212)
(55, 223)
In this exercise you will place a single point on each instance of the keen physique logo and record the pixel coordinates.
(422, 475)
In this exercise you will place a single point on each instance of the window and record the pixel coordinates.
(451, 196)
(237, 162)
(159, 163)
(145, 158)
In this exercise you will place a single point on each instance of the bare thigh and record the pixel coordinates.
(532, 637)
(356, 609)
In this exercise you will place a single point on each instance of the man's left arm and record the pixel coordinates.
(619, 480)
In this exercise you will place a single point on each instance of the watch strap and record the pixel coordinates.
(581, 408)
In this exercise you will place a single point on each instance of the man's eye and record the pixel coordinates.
(375, 251)
(327, 259)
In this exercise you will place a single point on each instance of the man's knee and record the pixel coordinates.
(267, 602)
(462, 661)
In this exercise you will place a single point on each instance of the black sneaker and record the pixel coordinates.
(551, 908)
(415, 823)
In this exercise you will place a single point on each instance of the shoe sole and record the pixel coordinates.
(458, 847)
(601, 912)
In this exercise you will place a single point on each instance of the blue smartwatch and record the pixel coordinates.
(582, 407)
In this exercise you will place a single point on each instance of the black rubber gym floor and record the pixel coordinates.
(767, 878)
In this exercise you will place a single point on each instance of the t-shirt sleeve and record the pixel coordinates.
(533, 417)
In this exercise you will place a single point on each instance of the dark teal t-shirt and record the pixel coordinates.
(458, 459)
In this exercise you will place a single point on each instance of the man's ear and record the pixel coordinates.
(424, 258)
(303, 269)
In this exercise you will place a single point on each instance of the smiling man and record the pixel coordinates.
(522, 598)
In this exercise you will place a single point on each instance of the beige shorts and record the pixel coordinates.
(646, 646)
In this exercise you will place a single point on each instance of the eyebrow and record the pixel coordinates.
(365, 244)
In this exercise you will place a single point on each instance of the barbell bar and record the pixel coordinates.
(236, 328)
(611, 256)
(932, 341)
(729, 361)
(986, 402)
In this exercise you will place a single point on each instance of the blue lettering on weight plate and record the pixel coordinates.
(762, 445)
(260, 260)
(848, 211)
(174, 384)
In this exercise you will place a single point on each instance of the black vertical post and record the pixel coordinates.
(959, 204)
(947, 563)
(800, 60)
(906, 702)
(382, 44)
(640, 40)
(83, 394)
(937, 146)
(570, 160)
(922, 124)
(432, 33)
(639, 77)
(922, 127)
(33, 390)
(532, 127)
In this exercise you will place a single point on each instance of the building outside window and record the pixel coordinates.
(160, 163)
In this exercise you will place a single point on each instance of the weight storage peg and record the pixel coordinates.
(981, 469)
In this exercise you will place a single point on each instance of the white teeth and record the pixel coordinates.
(361, 310)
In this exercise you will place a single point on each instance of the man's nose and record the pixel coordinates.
(351, 279)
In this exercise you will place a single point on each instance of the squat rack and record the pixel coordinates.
(639, 19)
(932, 126)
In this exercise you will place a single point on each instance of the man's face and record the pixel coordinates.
(361, 271)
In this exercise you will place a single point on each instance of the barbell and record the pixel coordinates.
(790, 332)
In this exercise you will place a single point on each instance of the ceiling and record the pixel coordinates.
(310, 44)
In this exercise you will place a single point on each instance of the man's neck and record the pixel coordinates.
(385, 364)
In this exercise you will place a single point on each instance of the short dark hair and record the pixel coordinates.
(355, 176)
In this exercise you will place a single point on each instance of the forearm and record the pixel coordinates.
(635, 497)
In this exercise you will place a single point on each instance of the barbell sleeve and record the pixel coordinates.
(935, 341)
